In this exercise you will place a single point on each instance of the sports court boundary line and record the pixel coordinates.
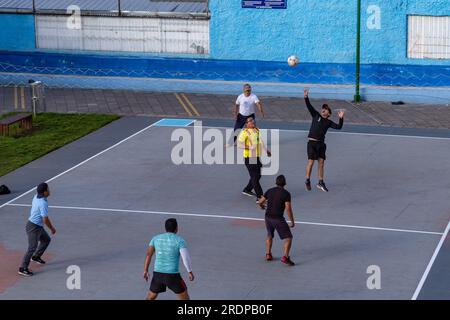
(230, 217)
(430, 264)
(81, 163)
(341, 132)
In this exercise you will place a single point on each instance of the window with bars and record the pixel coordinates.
(429, 37)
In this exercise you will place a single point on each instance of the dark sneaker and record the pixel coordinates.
(321, 186)
(308, 185)
(288, 261)
(25, 272)
(248, 193)
(269, 257)
(37, 260)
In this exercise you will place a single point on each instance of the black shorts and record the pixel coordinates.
(172, 280)
(280, 225)
(316, 150)
(242, 120)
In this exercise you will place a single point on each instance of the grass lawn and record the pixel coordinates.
(50, 131)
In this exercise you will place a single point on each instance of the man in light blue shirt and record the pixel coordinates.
(35, 230)
(168, 248)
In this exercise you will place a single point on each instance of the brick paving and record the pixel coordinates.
(161, 104)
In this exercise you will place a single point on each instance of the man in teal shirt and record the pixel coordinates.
(168, 248)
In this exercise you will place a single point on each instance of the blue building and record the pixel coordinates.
(216, 45)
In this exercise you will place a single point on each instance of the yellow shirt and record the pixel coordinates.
(250, 139)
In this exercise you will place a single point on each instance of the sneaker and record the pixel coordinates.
(25, 272)
(261, 206)
(248, 193)
(37, 260)
(269, 257)
(288, 261)
(308, 185)
(322, 186)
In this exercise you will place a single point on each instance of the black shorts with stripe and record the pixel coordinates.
(161, 281)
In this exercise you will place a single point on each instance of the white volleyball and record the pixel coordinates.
(293, 61)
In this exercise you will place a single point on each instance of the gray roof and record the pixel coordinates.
(179, 6)
(16, 4)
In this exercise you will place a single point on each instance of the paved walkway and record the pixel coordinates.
(132, 103)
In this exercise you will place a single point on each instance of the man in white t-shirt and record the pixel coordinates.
(245, 108)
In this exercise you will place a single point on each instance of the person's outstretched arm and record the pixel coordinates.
(341, 122)
(49, 224)
(235, 111)
(260, 107)
(311, 109)
(263, 147)
(187, 262)
(148, 259)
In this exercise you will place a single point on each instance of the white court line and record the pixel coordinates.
(430, 264)
(343, 132)
(80, 164)
(231, 217)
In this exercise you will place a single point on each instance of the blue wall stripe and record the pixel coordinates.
(229, 70)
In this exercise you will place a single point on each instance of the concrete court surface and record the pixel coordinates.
(108, 209)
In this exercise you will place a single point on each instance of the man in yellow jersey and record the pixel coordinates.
(250, 141)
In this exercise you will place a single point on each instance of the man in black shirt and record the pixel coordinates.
(278, 199)
(316, 139)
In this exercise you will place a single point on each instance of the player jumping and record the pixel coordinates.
(316, 140)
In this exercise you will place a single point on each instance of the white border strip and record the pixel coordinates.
(231, 217)
(344, 132)
(80, 164)
(430, 264)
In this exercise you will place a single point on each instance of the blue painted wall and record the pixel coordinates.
(227, 70)
(252, 45)
(17, 32)
(317, 31)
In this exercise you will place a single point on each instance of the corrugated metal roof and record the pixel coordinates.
(88, 5)
(164, 6)
(180, 6)
(16, 4)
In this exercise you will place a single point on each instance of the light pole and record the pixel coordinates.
(357, 97)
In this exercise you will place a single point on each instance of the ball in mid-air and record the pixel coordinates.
(292, 61)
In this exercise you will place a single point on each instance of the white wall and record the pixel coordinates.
(127, 34)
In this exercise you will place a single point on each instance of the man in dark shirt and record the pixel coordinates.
(278, 199)
(316, 140)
